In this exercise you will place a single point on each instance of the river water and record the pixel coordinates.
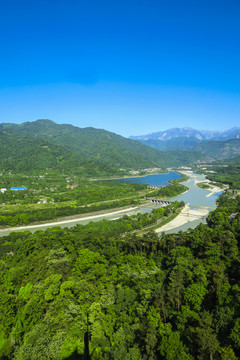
(195, 197)
(155, 179)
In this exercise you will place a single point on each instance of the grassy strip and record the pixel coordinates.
(34, 217)
(182, 179)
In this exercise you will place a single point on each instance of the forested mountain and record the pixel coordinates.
(91, 143)
(185, 158)
(205, 150)
(213, 144)
(234, 161)
(88, 143)
(44, 144)
(219, 149)
(26, 154)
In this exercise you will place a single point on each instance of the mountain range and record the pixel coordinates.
(213, 144)
(188, 132)
(43, 144)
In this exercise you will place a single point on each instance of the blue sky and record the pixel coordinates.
(131, 67)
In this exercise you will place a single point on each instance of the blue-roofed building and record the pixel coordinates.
(18, 188)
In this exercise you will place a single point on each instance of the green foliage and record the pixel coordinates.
(203, 185)
(27, 154)
(59, 201)
(219, 149)
(172, 348)
(174, 189)
(227, 354)
(63, 145)
(139, 297)
(229, 174)
(25, 291)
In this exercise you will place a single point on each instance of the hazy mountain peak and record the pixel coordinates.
(188, 132)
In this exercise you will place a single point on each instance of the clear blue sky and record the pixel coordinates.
(129, 66)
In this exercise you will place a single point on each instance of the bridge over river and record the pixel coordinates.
(161, 202)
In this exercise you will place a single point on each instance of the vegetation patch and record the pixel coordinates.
(128, 296)
(176, 188)
(204, 185)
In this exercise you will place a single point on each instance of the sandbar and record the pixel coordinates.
(185, 216)
(213, 188)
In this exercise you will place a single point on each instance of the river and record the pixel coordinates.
(195, 197)
(155, 179)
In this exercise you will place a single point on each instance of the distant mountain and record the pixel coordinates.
(213, 144)
(219, 149)
(212, 149)
(189, 133)
(185, 158)
(235, 161)
(235, 135)
(177, 143)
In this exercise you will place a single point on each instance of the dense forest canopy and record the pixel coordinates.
(171, 298)
(88, 143)
(223, 172)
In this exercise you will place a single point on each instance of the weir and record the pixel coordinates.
(161, 202)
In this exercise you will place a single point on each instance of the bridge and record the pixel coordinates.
(161, 202)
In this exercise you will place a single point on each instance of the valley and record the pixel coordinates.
(85, 246)
(120, 180)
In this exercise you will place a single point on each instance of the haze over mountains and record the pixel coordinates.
(214, 144)
(188, 132)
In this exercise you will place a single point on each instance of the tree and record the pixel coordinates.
(227, 353)
(207, 340)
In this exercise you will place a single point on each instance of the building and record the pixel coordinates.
(18, 188)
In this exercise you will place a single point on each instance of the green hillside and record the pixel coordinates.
(233, 161)
(219, 149)
(26, 154)
(205, 150)
(97, 144)
(186, 158)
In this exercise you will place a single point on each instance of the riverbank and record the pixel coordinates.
(67, 220)
(185, 216)
(118, 177)
(212, 188)
(195, 196)
(86, 216)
